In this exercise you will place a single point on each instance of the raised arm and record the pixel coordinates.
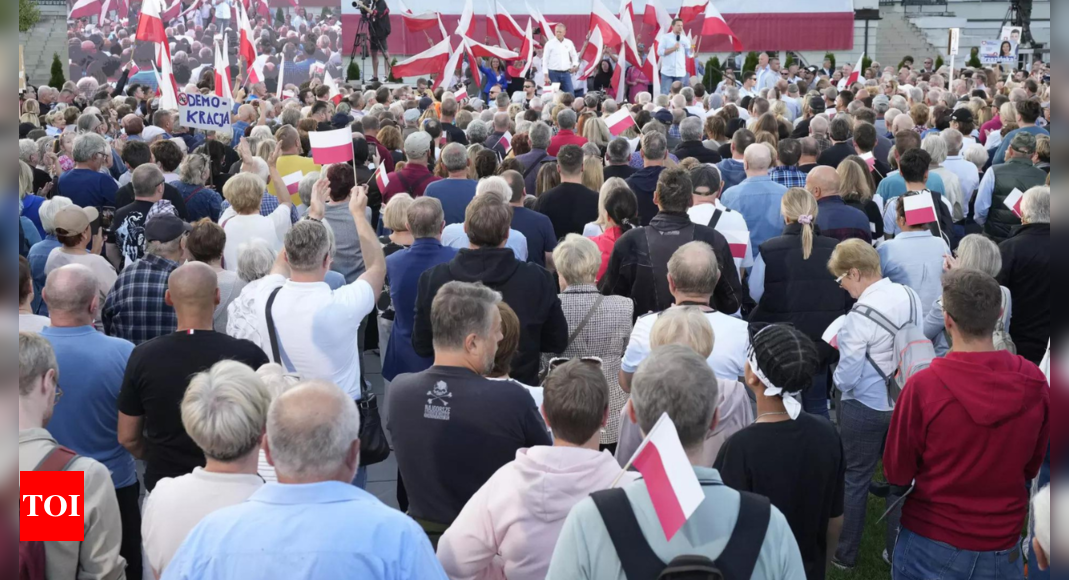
(374, 259)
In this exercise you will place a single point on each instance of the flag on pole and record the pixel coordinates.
(167, 85)
(462, 94)
(222, 74)
(449, 73)
(1013, 201)
(715, 24)
(547, 28)
(256, 70)
(657, 17)
(85, 9)
(417, 22)
(526, 52)
(105, 7)
(466, 27)
(620, 121)
(691, 9)
(855, 75)
(335, 94)
(506, 142)
(505, 22)
(293, 182)
(492, 30)
(670, 479)
(150, 25)
(617, 82)
(330, 147)
(487, 51)
(172, 11)
(612, 30)
(246, 49)
(920, 209)
(382, 178)
(429, 61)
(630, 48)
(592, 54)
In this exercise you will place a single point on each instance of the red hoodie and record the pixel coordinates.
(972, 431)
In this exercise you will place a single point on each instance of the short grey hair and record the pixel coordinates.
(654, 146)
(88, 145)
(677, 381)
(417, 145)
(694, 269)
(618, 151)
(36, 358)
(255, 260)
(1035, 206)
(49, 209)
(425, 217)
(819, 125)
(304, 189)
(70, 288)
(977, 155)
(307, 245)
(977, 252)
(459, 310)
(478, 131)
(731, 95)
(566, 119)
(685, 325)
(541, 135)
(310, 430)
(88, 122)
(259, 168)
(954, 140)
(28, 150)
(502, 121)
(224, 411)
(690, 129)
(496, 186)
(455, 157)
(194, 169)
(146, 179)
(578, 260)
(936, 147)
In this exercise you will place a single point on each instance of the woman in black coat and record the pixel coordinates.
(791, 283)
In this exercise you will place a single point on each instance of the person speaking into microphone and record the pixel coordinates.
(675, 49)
(377, 14)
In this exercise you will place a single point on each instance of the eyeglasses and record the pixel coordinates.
(840, 279)
(560, 361)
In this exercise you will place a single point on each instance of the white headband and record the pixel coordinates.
(794, 408)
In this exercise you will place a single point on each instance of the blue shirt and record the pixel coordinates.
(91, 369)
(239, 133)
(1000, 155)
(87, 188)
(145, 78)
(455, 195)
(319, 531)
(732, 172)
(455, 237)
(894, 185)
(38, 258)
(758, 200)
(538, 229)
(915, 259)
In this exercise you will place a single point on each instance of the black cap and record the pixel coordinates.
(425, 103)
(340, 121)
(664, 116)
(25, 128)
(817, 105)
(962, 115)
(165, 227)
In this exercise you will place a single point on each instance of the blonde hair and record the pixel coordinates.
(855, 254)
(799, 206)
(224, 410)
(245, 192)
(395, 216)
(684, 325)
(578, 260)
(597, 132)
(25, 179)
(853, 183)
(603, 194)
(593, 173)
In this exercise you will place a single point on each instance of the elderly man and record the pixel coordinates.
(331, 530)
(527, 288)
(566, 120)
(835, 218)
(966, 171)
(541, 138)
(32, 156)
(618, 159)
(437, 416)
(560, 59)
(85, 185)
(502, 123)
(128, 225)
(677, 382)
(534, 226)
(1025, 271)
(416, 175)
(224, 411)
(1017, 173)
(456, 191)
(690, 133)
(91, 367)
(757, 197)
(97, 555)
(291, 159)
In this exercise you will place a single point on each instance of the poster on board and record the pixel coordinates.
(998, 52)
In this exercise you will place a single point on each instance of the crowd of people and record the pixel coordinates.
(744, 259)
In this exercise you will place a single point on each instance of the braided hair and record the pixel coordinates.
(786, 356)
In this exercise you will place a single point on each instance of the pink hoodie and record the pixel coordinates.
(509, 528)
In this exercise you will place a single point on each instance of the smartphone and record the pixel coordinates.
(1046, 79)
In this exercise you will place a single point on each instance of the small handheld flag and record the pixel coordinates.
(329, 147)
(920, 209)
(1013, 201)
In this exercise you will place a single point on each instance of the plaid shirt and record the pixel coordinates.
(135, 309)
(268, 206)
(788, 177)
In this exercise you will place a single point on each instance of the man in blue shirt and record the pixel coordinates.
(456, 191)
(757, 198)
(1028, 112)
(311, 524)
(732, 170)
(91, 368)
(85, 185)
(536, 227)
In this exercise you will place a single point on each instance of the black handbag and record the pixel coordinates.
(374, 448)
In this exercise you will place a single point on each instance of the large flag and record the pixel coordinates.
(920, 209)
(855, 75)
(492, 30)
(330, 147)
(715, 24)
(85, 9)
(417, 22)
(592, 54)
(526, 53)
(429, 61)
(448, 76)
(167, 85)
(466, 27)
(222, 74)
(505, 22)
(545, 25)
(612, 30)
(657, 17)
(670, 480)
(149, 24)
(652, 69)
(473, 62)
(171, 12)
(620, 121)
(627, 18)
(691, 9)
(486, 51)
(246, 49)
(256, 70)
(618, 82)
(335, 94)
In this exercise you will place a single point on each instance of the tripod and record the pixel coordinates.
(362, 43)
(1020, 14)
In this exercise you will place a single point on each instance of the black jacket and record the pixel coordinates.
(530, 290)
(696, 150)
(125, 196)
(622, 171)
(454, 134)
(570, 206)
(643, 183)
(631, 272)
(1026, 272)
(799, 291)
(835, 155)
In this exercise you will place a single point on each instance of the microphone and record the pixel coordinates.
(678, 39)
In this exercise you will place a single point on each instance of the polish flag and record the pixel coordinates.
(462, 94)
(335, 94)
(172, 11)
(246, 49)
(592, 54)
(1013, 201)
(330, 147)
(505, 22)
(617, 81)
(715, 24)
(612, 30)
(222, 75)
(620, 121)
(831, 335)
(293, 182)
(855, 75)
(869, 160)
(167, 86)
(473, 63)
(429, 61)
(506, 142)
(651, 69)
(657, 17)
(487, 51)
(449, 74)
(105, 7)
(85, 9)
(417, 22)
(545, 25)
(526, 52)
(256, 71)
(466, 27)
(382, 178)
(691, 9)
(920, 209)
(491, 24)
(123, 8)
(670, 480)
(150, 25)
(627, 18)
(739, 242)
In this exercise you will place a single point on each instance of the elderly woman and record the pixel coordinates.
(866, 357)
(598, 326)
(29, 206)
(242, 221)
(975, 252)
(224, 411)
(205, 243)
(201, 201)
(395, 219)
(936, 146)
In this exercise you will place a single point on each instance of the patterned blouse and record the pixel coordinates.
(605, 336)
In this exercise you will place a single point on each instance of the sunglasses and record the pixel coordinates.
(560, 361)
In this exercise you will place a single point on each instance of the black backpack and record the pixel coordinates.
(639, 562)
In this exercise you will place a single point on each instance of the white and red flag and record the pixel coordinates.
(466, 27)
(670, 479)
(620, 121)
(150, 24)
(293, 182)
(487, 51)
(630, 48)
(592, 54)
(831, 335)
(855, 75)
(612, 30)
(449, 73)
(429, 61)
(691, 9)
(715, 24)
(920, 209)
(382, 178)
(462, 94)
(222, 74)
(506, 142)
(657, 17)
(330, 147)
(545, 25)
(256, 70)
(505, 22)
(246, 48)
(85, 9)
(1013, 201)
(526, 53)
(335, 94)
(417, 22)
(171, 12)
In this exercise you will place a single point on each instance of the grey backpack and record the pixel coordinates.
(999, 337)
(913, 352)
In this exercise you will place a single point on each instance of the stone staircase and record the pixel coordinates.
(898, 37)
(47, 37)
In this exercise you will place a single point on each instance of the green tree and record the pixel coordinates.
(790, 60)
(28, 15)
(393, 79)
(353, 72)
(831, 57)
(280, 16)
(974, 58)
(939, 62)
(713, 76)
(750, 64)
(57, 80)
(865, 64)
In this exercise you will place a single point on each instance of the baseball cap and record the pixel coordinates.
(816, 104)
(962, 115)
(340, 121)
(418, 144)
(165, 227)
(880, 100)
(1024, 143)
(425, 103)
(73, 220)
(412, 115)
(151, 132)
(664, 116)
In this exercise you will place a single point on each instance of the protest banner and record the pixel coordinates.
(208, 112)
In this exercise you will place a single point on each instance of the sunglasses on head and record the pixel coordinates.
(560, 361)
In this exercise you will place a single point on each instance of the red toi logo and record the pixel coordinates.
(51, 506)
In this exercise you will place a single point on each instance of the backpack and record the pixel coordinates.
(913, 352)
(32, 554)
(999, 336)
(639, 562)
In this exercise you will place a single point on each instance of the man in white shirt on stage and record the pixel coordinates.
(560, 59)
(674, 51)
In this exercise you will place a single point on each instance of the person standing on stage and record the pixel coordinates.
(560, 59)
(377, 14)
(675, 49)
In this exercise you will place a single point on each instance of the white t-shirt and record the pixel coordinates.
(222, 10)
(102, 270)
(731, 340)
(177, 505)
(241, 229)
(33, 323)
(731, 225)
(317, 328)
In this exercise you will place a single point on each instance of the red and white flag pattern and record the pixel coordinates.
(592, 54)
(670, 480)
(691, 9)
(171, 12)
(246, 48)
(462, 94)
(1013, 201)
(85, 9)
(506, 142)
(449, 73)
(330, 147)
(150, 24)
(612, 30)
(620, 121)
(417, 22)
(545, 25)
(222, 74)
(335, 94)
(715, 24)
(466, 27)
(526, 53)
(831, 335)
(256, 71)
(855, 75)
(382, 178)
(486, 51)
(739, 242)
(656, 16)
(920, 209)
(293, 182)
(429, 61)
(505, 22)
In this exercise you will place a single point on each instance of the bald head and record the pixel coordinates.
(193, 288)
(313, 434)
(823, 182)
(71, 291)
(758, 160)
